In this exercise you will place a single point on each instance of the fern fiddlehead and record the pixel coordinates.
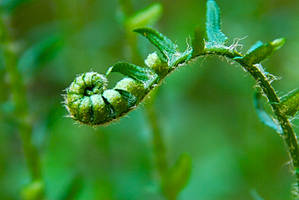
(90, 102)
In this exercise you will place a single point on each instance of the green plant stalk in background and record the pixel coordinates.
(130, 22)
(157, 138)
(126, 8)
(21, 110)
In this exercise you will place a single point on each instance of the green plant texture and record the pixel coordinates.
(102, 106)
(164, 122)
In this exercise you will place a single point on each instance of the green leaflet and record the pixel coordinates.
(142, 74)
(260, 51)
(278, 43)
(144, 17)
(257, 45)
(263, 115)
(166, 47)
(40, 53)
(178, 176)
(290, 104)
(198, 43)
(213, 26)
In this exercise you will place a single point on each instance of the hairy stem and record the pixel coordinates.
(21, 105)
(289, 135)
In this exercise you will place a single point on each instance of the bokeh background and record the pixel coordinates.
(204, 109)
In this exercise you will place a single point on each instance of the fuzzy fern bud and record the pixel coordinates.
(84, 99)
(88, 100)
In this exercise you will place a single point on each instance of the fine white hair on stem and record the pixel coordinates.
(236, 44)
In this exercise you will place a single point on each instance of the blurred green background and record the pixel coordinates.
(204, 109)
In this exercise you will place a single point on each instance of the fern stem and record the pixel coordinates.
(18, 91)
(289, 135)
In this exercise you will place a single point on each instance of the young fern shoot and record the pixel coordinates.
(90, 102)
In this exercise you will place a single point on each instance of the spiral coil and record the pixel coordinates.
(88, 100)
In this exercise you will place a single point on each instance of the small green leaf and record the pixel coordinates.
(213, 26)
(257, 45)
(260, 51)
(142, 74)
(40, 53)
(290, 104)
(144, 17)
(263, 115)
(278, 43)
(198, 43)
(178, 176)
(166, 47)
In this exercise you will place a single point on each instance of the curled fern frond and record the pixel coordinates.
(84, 99)
(88, 100)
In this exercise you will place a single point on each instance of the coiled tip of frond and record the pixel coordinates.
(88, 100)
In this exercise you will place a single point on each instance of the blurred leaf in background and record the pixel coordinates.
(37, 55)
